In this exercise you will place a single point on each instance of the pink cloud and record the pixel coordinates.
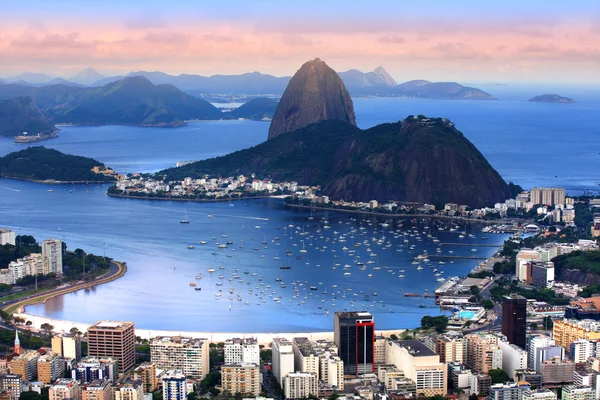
(391, 39)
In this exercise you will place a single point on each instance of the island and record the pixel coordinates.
(551, 98)
(40, 164)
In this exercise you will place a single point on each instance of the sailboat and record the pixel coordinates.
(185, 219)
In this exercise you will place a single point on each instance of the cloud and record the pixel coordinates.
(538, 48)
(143, 22)
(296, 40)
(391, 39)
(212, 37)
(51, 41)
(170, 38)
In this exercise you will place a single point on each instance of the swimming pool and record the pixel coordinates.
(466, 314)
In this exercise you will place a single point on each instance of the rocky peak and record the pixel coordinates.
(315, 93)
(385, 77)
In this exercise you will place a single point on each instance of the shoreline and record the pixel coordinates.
(53, 182)
(218, 200)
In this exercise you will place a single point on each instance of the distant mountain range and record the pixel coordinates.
(22, 115)
(358, 83)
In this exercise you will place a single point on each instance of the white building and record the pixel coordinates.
(582, 349)
(306, 357)
(283, 358)
(17, 271)
(241, 351)
(540, 394)
(297, 385)
(572, 392)
(524, 257)
(535, 343)
(52, 251)
(174, 385)
(7, 237)
(513, 357)
(508, 391)
(188, 355)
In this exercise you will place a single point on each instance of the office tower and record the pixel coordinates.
(542, 273)
(298, 385)
(146, 373)
(52, 251)
(283, 358)
(67, 345)
(174, 385)
(241, 351)
(113, 339)
(97, 390)
(188, 355)
(129, 390)
(241, 378)
(50, 367)
(354, 335)
(64, 389)
(514, 319)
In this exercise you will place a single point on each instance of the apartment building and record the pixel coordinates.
(283, 358)
(129, 390)
(52, 251)
(175, 386)
(241, 378)
(89, 369)
(146, 373)
(189, 355)
(97, 390)
(64, 389)
(297, 385)
(25, 365)
(483, 352)
(50, 367)
(241, 351)
(567, 331)
(12, 384)
(67, 345)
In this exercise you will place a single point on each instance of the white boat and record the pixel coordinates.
(203, 242)
(185, 219)
(211, 270)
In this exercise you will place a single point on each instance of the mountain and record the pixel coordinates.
(417, 160)
(357, 82)
(60, 81)
(439, 90)
(551, 98)
(256, 109)
(39, 164)
(315, 93)
(30, 77)
(45, 96)
(87, 77)
(135, 101)
(22, 115)
(106, 81)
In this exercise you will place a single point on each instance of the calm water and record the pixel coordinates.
(529, 143)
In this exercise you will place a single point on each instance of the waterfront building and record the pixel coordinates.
(379, 350)
(508, 391)
(297, 385)
(513, 358)
(16, 271)
(189, 355)
(52, 251)
(50, 366)
(129, 390)
(483, 352)
(419, 364)
(175, 386)
(241, 351)
(282, 358)
(12, 384)
(25, 365)
(67, 345)
(557, 372)
(572, 392)
(92, 368)
(7, 237)
(241, 378)
(113, 339)
(567, 331)
(97, 390)
(539, 394)
(146, 373)
(354, 335)
(514, 319)
(522, 261)
(64, 389)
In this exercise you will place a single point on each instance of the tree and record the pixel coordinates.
(28, 323)
(74, 331)
(533, 326)
(488, 304)
(439, 323)
(473, 397)
(499, 376)
(47, 327)
(393, 337)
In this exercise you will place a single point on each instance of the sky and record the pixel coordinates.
(462, 40)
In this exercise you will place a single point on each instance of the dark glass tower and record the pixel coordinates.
(514, 319)
(354, 335)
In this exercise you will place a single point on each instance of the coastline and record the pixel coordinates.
(221, 199)
(53, 182)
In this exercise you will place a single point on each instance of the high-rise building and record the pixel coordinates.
(539, 394)
(514, 319)
(64, 389)
(92, 368)
(50, 367)
(12, 384)
(379, 348)
(241, 378)
(523, 263)
(113, 339)
(174, 385)
(297, 385)
(306, 357)
(52, 251)
(547, 196)
(534, 343)
(241, 351)
(542, 273)
(67, 345)
(146, 373)
(282, 358)
(451, 346)
(129, 390)
(25, 365)
(483, 352)
(508, 391)
(97, 390)
(354, 335)
(557, 372)
(567, 331)
(572, 392)
(186, 354)
(582, 349)
(7, 237)
(513, 358)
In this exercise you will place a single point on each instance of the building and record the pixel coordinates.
(534, 343)
(557, 372)
(534, 379)
(587, 377)
(7, 237)
(419, 364)
(113, 339)
(52, 251)
(514, 319)
(588, 308)
(241, 351)
(547, 196)
(450, 346)
(539, 394)
(64, 389)
(12, 384)
(542, 273)
(283, 358)
(379, 350)
(89, 369)
(189, 355)
(146, 373)
(572, 392)
(97, 390)
(50, 367)
(35, 264)
(174, 385)
(523, 259)
(297, 385)
(331, 366)
(354, 335)
(569, 330)
(17, 349)
(67, 345)
(306, 357)
(480, 384)
(508, 391)
(513, 358)
(129, 390)
(483, 352)
(240, 378)
(25, 365)
(581, 350)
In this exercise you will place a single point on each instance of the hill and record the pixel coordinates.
(256, 109)
(87, 77)
(439, 90)
(377, 81)
(22, 115)
(39, 164)
(551, 98)
(418, 159)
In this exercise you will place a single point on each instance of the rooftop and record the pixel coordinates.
(354, 314)
(111, 325)
(416, 348)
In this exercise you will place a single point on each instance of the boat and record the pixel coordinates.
(202, 242)
(50, 190)
(285, 267)
(191, 247)
(209, 216)
(197, 288)
(192, 284)
(411, 295)
(211, 270)
(185, 219)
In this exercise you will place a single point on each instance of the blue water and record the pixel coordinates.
(466, 314)
(529, 143)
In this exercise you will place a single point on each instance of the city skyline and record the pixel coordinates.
(514, 42)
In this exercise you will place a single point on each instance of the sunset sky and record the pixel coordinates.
(465, 41)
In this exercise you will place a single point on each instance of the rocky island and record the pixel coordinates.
(551, 98)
